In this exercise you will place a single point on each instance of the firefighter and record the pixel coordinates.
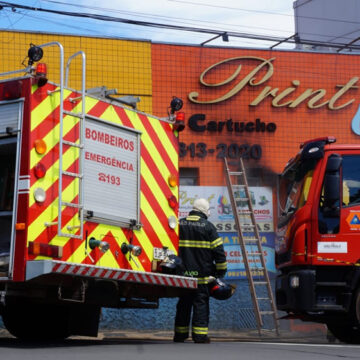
(202, 252)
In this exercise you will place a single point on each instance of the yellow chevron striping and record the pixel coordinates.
(79, 255)
(155, 188)
(171, 151)
(156, 224)
(145, 243)
(110, 114)
(44, 109)
(108, 260)
(71, 190)
(52, 173)
(147, 141)
(48, 215)
(149, 144)
(52, 138)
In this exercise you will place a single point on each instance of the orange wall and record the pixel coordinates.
(176, 71)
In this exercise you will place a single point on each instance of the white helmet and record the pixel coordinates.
(202, 205)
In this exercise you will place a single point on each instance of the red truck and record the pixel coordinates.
(88, 202)
(318, 237)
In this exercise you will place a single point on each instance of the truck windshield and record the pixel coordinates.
(294, 186)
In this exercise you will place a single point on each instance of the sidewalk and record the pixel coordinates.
(246, 335)
(318, 337)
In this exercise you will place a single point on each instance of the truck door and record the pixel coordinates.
(10, 121)
(350, 205)
(341, 225)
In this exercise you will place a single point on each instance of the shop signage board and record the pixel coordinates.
(222, 217)
(220, 207)
(236, 268)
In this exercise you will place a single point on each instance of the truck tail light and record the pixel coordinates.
(179, 121)
(172, 201)
(45, 250)
(39, 170)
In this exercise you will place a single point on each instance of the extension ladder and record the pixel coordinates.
(258, 277)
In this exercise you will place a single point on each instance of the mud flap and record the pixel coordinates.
(84, 320)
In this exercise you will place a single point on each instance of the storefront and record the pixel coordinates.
(257, 104)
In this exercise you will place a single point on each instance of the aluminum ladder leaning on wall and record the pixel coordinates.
(258, 278)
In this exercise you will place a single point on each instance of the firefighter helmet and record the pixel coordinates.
(172, 264)
(202, 205)
(220, 290)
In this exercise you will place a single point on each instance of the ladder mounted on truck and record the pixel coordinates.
(258, 278)
(63, 174)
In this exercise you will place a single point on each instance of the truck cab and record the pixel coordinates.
(317, 238)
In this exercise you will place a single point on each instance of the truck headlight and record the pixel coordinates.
(294, 281)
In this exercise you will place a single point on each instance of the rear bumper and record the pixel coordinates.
(301, 292)
(38, 268)
(301, 298)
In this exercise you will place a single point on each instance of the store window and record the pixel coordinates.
(189, 176)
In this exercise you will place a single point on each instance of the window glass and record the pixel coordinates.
(189, 176)
(351, 180)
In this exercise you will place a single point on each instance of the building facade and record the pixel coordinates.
(256, 104)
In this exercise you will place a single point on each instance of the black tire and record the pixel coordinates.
(349, 331)
(36, 322)
(349, 334)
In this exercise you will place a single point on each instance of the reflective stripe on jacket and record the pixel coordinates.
(200, 247)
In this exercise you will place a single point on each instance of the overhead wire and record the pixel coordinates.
(37, 17)
(264, 12)
(163, 17)
(187, 21)
(275, 39)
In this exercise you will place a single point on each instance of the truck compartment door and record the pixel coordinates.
(10, 121)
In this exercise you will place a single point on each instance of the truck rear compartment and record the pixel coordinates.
(7, 175)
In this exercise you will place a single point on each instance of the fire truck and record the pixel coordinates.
(318, 237)
(88, 202)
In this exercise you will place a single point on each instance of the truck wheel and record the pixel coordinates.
(349, 334)
(36, 322)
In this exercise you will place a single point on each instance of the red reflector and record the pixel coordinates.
(45, 250)
(39, 170)
(172, 201)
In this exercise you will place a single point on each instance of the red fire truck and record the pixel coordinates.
(88, 203)
(318, 237)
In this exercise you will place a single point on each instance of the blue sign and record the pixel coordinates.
(235, 263)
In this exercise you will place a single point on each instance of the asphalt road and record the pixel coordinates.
(139, 349)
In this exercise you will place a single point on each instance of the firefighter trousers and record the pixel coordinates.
(197, 304)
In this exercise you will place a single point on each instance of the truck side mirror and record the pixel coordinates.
(332, 185)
